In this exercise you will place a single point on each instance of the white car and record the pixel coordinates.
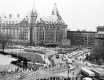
(102, 66)
(69, 61)
(64, 59)
(87, 78)
(70, 56)
(88, 64)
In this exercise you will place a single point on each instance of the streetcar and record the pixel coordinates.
(98, 74)
(87, 73)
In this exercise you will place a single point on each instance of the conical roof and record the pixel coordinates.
(54, 11)
(2, 15)
(27, 16)
(34, 12)
(38, 18)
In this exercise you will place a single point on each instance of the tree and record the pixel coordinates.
(22, 37)
(5, 39)
(97, 54)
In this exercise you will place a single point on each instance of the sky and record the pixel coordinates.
(77, 14)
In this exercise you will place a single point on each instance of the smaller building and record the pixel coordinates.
(65, 42)
(100, 28)
(81, 37)
(99, 36)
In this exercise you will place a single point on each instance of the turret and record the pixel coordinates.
(56, 12)
(33, 14)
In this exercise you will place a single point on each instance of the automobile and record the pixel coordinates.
(57, 56)
(88, 64)
(70, 56)
(73, 59)
(64, 59)
(29, 49)
(69, 61)
(87, 78)
(102, 66)
(94, 65)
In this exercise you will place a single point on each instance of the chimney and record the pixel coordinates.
(10, 15)
(18, 15)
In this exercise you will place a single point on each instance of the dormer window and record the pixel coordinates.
(9, 22)
(37, 21)
(4, 24)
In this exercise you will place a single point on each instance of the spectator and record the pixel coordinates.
(73, 73)
(77, 66)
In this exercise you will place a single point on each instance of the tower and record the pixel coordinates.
(56, 12)
(32, 24)
(33, 14)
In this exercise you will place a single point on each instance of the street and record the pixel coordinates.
(73, 73)
(60, 68)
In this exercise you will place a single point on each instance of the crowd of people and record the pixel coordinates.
(55, 69)
(59, 78)
(11, 74)
(17, 73)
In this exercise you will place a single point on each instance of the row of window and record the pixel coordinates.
(13, 32)
(19, 38)
(14, 29)
(83, 33)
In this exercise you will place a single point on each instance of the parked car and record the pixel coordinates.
(87, 78)
(102, 66)
(57, 56)
(64, 58)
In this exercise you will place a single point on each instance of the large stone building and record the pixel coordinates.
(81, 37)
(35, 29)
(16, 27)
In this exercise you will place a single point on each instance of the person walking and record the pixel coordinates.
(77, 66)
(73, 73)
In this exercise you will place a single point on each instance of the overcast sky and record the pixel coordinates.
(77, 14)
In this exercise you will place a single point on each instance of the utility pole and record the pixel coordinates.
(68, 70)
(87, 39)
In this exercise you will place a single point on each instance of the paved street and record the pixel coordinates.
(58, 71)
(77, 64)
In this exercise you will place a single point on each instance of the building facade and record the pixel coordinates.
(99, 36)
(35, 29)
(65, 43)
(48, 31)
(16, 27)
(81, 37)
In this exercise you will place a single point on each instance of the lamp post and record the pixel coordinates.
(68, 70)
